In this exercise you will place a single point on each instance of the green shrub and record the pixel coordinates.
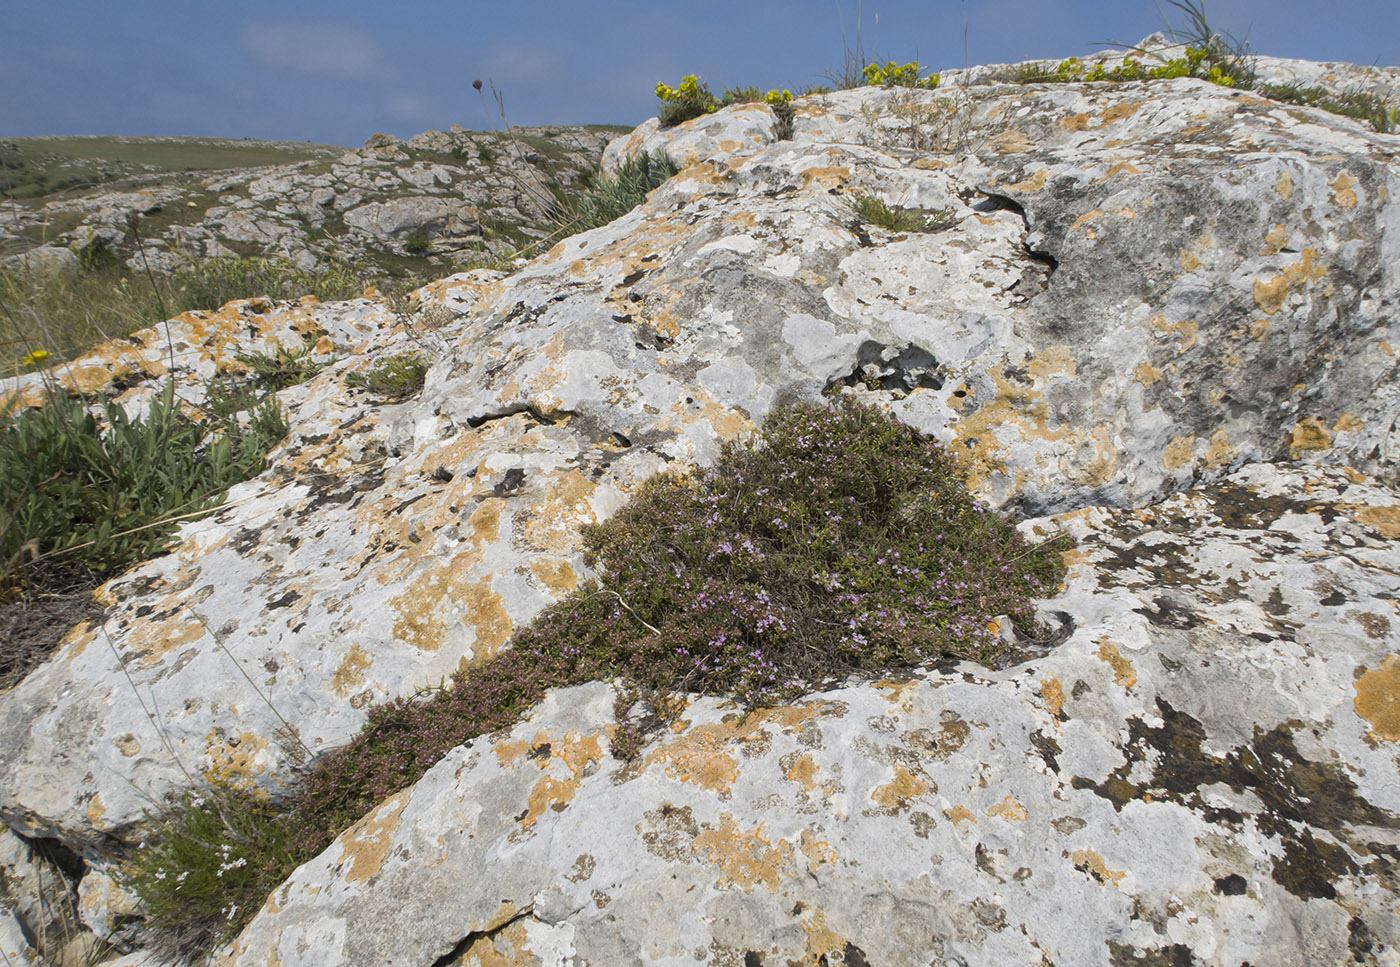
(875, 210)
(101, 495)
(681, 104)
(400, 375)
(205, 868)
(417, 243)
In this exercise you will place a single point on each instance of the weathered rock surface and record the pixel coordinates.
(1162, 316)
(1202, 772)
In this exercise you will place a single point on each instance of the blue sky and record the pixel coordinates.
(336, 71)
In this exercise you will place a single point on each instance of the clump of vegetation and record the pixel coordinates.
(209, 283)
(1194, 64)
(606, 198)
(284, 368)
(837, 542)
(898, 75)
(99, 495)
(680, 104)
(875, 210)
(206, 868)
(1359, 105)
(417, 243)
(397, 376)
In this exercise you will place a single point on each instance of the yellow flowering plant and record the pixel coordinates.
(679, 104)
(897, 75)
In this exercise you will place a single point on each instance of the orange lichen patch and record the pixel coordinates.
(1185, 331)
(1147, 374)
(1123, 671)
(350, 673)
(1309, 435)
(95, 810)
(127, 745)
(1284, 186)
(899, 690)
(1259, 328)
(1220, 453)
(151, 639)
(1270, 293)
(1074, 122)
(555, 522)
(821, 940)
(700, 757)
(1011, 141)
(1120, 168)
(548, 793)
(745, 857)
(1019, 406)
(960, 814)
(1009, 809)
(1349, 423)
(1275, 241)
(232, 761)
(557, 575)
(1177, 453)
(1378, 699)
(366, 844)
(1384, 519)
(1053, 693)
(1191, 255)
(1033, 183)
(896, 794)
(1084, 219)
(804, 770)
(487, 614)
(1089, 861)
(1343, 195)
(76, 641)
(1100, 469)
(1118, 112)
(826, 176)
(506, 946)
(818, 851)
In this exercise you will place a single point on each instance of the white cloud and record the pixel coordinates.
(323, 49)
(406, 107)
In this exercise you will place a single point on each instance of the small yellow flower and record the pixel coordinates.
(35, 358)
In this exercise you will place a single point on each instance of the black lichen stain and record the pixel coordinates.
(1126, 955)
(1298, 799)
(1232, 885)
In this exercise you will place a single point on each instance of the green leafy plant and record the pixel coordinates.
(400, 375)
(284, 368)
(205, 868)
(680, 104)
(740, 95)
(102, 494)
(876, 211)
(898, 75)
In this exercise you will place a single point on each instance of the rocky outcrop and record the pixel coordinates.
(436, 196)
(1161, 316)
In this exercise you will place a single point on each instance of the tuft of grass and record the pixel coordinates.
(210, 283)
(839, 541)
(605, 198)
(1360, 105)
(397, 376)
(876, 211)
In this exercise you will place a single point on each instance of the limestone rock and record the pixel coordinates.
(1205, 768)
